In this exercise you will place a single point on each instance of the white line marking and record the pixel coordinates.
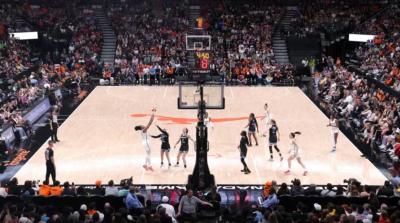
(255, 168)
(165, 92)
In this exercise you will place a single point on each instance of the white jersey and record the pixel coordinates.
(294, 149)
(268, 118)
(145, 139)
(208, 123)
(334, 128)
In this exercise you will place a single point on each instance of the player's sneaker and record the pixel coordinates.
(305, 173)
(145, 167)
(281, 158)
(287, 172)
(150, 168)
(271, 159)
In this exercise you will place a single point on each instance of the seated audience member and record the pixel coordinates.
(272, 200)
(28, 191)
(169, 209)
(386, 189)
(44, 189)
(56, 189)
(296, 188)
(13, 188)
(3, 190)
(164, 217)
(98, 190)
(68, 191)
(111, 189)
(328, 191)
(311, 190)
(283, 190)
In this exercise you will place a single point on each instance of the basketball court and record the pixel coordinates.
(98, 141)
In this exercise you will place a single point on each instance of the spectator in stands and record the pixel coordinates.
(169, 209)
(13, 188)
(133, 203)
(3, 190)
(283, 190)
(111, 189)
(296, 188)
(67, 190)
(44, 189)
(98, 190)
(27, 191)
(188, 206)
(271, 201)
(386, 189)
(311, 190)
(214, 198)
(56, 189)
(328, 191)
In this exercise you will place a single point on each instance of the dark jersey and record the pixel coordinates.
(164, 136)
(244, 142)
(253, 125)
(184, 142)
(273, 130)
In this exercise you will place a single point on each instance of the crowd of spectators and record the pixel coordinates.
(379, 58)
(151, 46)
(24, 81)
(242, 42)
(371, 114)
(128, 203)
(329, 18)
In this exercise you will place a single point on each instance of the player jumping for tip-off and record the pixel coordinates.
(145, 141)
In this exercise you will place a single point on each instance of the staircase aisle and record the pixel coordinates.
(109, 38)
(278, 39)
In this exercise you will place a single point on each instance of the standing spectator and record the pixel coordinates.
(188, 206)
(50, 165)
(132, 202)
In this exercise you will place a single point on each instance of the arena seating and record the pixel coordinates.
(151, 46)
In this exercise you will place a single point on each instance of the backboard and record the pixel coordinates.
(189, 95)
(198, 42)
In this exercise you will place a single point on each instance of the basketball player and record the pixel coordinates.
(294, 153)
(165, 147)
(273, 140)
(50, 165)
(268, 116)
(207, 121)
(334, 124)
(253, 126)
(244, 142)
(145, 141)
(184, 149)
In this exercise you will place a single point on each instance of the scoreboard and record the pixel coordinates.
(202, 62)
